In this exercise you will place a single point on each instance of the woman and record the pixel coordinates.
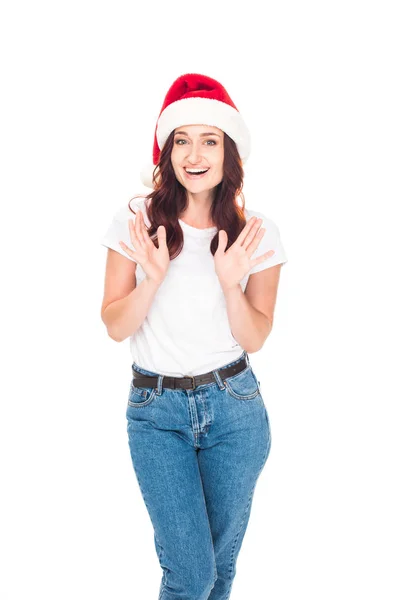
(192, 281)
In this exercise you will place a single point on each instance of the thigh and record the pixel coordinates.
(234, 456)
(167, 471)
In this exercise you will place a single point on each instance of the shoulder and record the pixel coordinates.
(267, 223)
(130, 209)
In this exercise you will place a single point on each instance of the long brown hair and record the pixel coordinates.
(168, 200)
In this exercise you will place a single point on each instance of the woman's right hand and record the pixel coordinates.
(154, 261)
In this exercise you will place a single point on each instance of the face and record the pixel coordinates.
(198, 147)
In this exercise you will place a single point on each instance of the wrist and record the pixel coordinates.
(153, 282)
(230, 289)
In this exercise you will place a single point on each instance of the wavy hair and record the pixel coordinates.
(169, 200)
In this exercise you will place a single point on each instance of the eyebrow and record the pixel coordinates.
(201, 134)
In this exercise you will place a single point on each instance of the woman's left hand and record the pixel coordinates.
(233, 265)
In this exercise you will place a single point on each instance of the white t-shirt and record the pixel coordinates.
(186, 330)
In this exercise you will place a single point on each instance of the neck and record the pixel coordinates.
(198, 208)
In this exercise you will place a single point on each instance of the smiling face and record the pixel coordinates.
(198, 148)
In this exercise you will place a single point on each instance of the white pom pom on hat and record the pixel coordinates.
(146, 175)
(195, 99)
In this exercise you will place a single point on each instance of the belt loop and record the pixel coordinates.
(246, 356)
(159, 385)
(218, 379)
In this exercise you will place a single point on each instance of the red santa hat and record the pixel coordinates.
(195, 99)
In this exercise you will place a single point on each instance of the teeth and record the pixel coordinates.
(196, 170)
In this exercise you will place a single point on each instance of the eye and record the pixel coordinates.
(208, 142)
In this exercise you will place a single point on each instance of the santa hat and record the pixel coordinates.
(195, 99)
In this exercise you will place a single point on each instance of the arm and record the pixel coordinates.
(123, 317)
(125, 305)
(251, 313)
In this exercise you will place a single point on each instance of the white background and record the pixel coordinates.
(82, 87)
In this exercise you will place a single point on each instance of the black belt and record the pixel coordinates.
(190, 382)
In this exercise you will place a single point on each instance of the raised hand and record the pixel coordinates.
(154, 261)
(233, 265)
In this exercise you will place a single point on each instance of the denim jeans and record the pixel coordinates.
(197, 455)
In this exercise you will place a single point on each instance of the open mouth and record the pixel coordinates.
(195, 173)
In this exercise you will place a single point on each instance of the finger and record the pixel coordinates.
(136, 233)
(252, 241)
(253, 238)
(251, 224)
(161, 235)
(139, 227)
(126, 249)
(222, 241)
(261, 258)
(132, 233)
(146, 238)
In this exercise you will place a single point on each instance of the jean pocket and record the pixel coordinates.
(140, 396)
(243, 385)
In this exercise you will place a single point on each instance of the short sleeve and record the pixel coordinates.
(118, 230)
(270, 241)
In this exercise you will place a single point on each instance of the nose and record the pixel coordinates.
(194, 153)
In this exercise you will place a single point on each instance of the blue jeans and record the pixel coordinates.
(197, 455)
